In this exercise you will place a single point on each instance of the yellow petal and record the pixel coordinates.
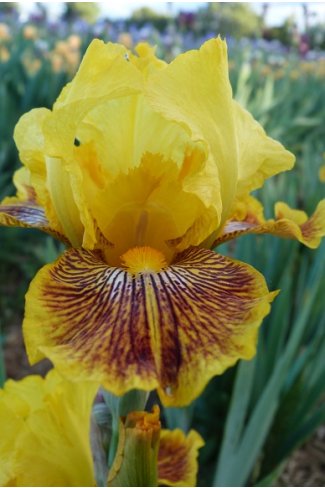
(52, 419)
(11, 428)
(63, 200)
(172, 330)
(260, 156)
(177, 457)
(151, 205)
(146, 60)
(22, 181)
(288, 223)
(29, 139)
(123, 171)
(194, 90)
(104, 74)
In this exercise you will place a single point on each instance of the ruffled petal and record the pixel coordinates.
(194, 90)
(288, 223)
(177, 457)
(146, 60)
(171, 329)
(260, 156)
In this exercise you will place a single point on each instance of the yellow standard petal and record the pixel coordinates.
(139, 326)
(46, 140)
(177, 457)
(194, 90)
(146, 60)
(31, 207)
(46, 426)
(29, 138)
(288, 223)
(260, 156)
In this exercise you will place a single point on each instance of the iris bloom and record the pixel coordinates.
(45, 436)
(141, 168)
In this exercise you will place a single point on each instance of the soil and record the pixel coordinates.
(306, 466)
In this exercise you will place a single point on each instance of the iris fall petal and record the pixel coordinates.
(171, 329)
(288, 223)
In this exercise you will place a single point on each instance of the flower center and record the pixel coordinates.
(143, 260)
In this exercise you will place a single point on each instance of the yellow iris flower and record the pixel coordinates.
(141, 168)
(45, 432)
(45, 437)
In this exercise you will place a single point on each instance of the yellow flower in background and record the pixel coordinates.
(5, 34)
(74, 41)
(4, 54)
(322, 173)
(45, 436)
(141, 167)
(125, 39)
(45, 432)
(30, 32)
